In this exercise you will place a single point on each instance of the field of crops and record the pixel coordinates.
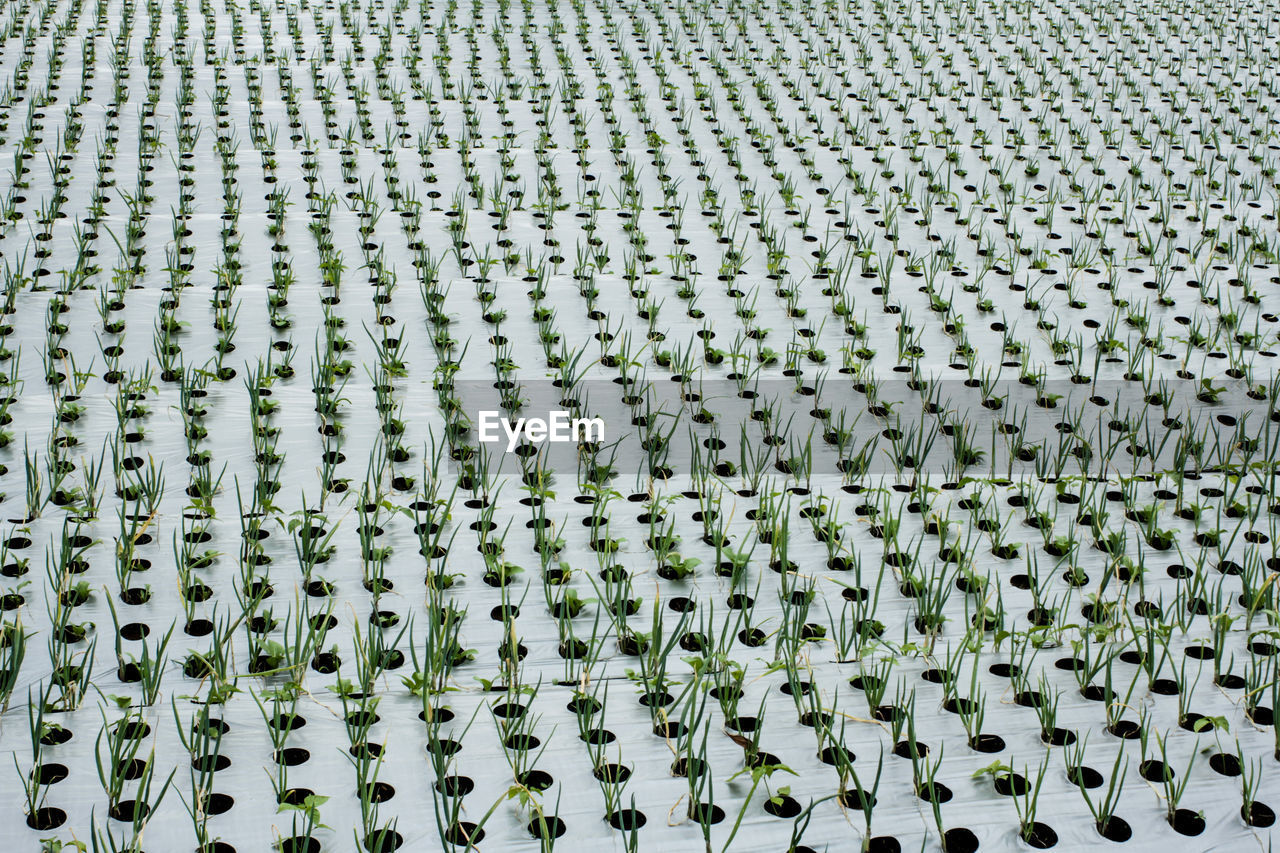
(934, 348)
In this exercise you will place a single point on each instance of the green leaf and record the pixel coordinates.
(994, 769)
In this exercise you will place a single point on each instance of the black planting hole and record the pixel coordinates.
(1187, 822)
(216, 804)
(706, 813)
(299, 844)
(1258, 814)
(1115, 829)
(464, 833)
(959, 840)
(535, 780)
(385, 840)
(627, 819)
(782, 806)
(1225, 764)
(1011, 784)
(987, 743)
(613, 773)
(1040, 836)
(455, 786)
(547, 827)
(1085, 776)
(934, 792)
(292, 756)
